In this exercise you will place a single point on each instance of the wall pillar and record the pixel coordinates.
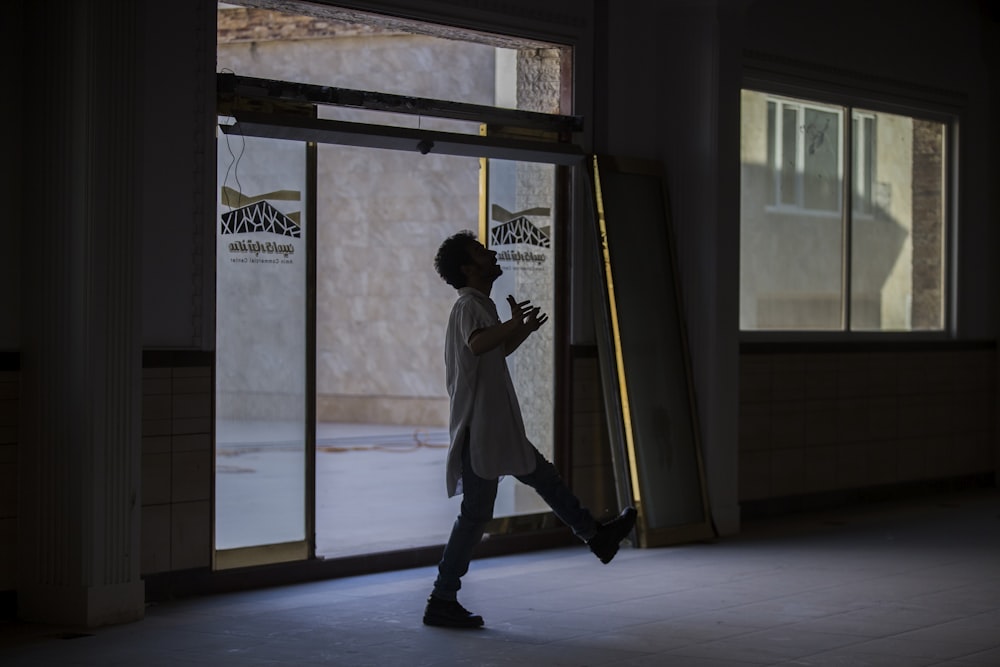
(78, 466)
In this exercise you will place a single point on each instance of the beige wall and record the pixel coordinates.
(381, 309)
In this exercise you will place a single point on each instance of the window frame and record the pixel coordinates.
(853, 94)
(860, 140)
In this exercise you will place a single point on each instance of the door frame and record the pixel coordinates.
(288, 111)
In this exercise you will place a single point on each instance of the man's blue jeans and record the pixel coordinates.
(478, 498)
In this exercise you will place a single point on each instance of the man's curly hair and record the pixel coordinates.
(452, 256)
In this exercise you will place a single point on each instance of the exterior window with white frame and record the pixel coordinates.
(809, 263)
(804, 156)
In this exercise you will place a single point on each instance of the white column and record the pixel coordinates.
(79, 472)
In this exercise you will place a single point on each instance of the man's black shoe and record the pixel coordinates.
(610, 534)
(450, 614)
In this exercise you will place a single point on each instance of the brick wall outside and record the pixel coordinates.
(245, 24)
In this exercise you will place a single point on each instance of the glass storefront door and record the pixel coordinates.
(331, 404)
(261, 381)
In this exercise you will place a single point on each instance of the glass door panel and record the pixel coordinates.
(261, 351)
(381, 314)
(382, 311)
(519, 208)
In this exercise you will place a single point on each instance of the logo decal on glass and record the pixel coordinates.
(517, 228)
(255, 214)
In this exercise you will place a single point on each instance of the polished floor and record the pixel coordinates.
(902, 584)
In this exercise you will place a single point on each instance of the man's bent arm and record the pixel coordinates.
(514, 341)
(484, 340)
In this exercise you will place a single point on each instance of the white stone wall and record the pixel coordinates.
(381, 308)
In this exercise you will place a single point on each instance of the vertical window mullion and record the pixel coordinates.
(859, 167)
(800, 156)
(777, 167)
(847, 158)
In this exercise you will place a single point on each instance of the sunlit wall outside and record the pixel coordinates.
(803, 239)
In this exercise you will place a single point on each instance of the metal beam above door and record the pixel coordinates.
(301, 128)
(251, 88)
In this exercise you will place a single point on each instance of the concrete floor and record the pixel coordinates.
(886, 584)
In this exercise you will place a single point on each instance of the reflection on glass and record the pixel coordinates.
(791, 231)
(520, 215)
(820, 148)
(897, 235)
(260, 342)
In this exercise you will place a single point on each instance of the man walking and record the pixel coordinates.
(486, 428)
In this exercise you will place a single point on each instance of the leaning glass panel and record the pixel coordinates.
(897, 268)
(791, 256)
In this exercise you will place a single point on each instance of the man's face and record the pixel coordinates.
(483, 262)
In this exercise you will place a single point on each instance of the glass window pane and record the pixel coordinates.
(897, 268)
(521, 196)
(821, 160)
(790, 258)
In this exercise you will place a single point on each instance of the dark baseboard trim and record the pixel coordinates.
(897, 345)
(817, 502)
(10, 360)
(8, 605)
(164, 586)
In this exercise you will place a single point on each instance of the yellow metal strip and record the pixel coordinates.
(616, 335)
(232, 195)
(265, 554)
(484, 194)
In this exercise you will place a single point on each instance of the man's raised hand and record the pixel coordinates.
(536, 318)
(526, 314)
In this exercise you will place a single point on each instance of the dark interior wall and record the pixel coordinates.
(669, 75)
(668, 81)
(178, 100)
(10, 187)
(668, 97)
(924, 43)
